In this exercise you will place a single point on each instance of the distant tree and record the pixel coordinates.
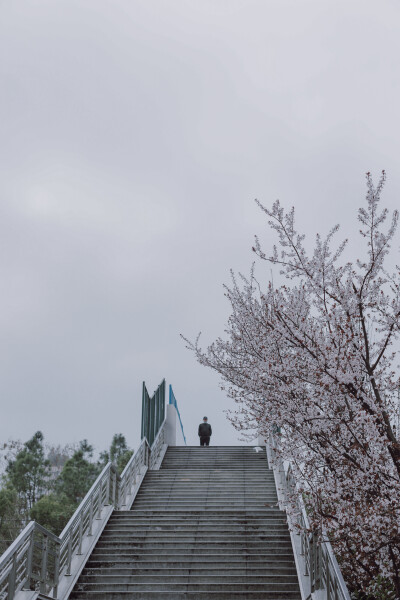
(58, 455)
(104, 459)
(11, 519)
(123, 460)
(29, 472)
(29, 490)
(53, 512)
(29, 477)
(8, 452)
(78, 474)
(119, 451)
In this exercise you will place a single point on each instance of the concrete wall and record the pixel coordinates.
(174, 431)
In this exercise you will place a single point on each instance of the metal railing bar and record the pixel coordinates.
(318, 557)
(8, 554)
(86, 499)
(340, 580)
(159, 434)
(133, 457)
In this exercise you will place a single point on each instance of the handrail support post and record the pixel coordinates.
(43, 569)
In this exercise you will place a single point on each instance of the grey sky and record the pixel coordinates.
(134, 137)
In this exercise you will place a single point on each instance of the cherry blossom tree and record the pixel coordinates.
(319, 357)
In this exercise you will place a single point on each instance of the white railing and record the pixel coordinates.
(32, 562)
(104, 492)
(39, 560)
(319, 573)
(132, 474)
(158, 448)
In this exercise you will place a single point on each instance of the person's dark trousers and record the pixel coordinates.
(204, 441)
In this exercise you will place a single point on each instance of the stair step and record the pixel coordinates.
(168, 547)
(182, 560)
(227, 510)
(266, 513)
(196, 526)
(273, 564)
(272, 586)
(191, 576)
(188, 595)
(194, 570)
(182, 536)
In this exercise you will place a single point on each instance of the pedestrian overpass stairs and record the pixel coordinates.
(180, 522)
(205, 525)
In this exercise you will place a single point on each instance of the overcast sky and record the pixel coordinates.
(134, 137)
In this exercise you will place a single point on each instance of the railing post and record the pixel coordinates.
(107, 498)
(128, 485)
(11, 579)
(306, 547)
(311, 563)
(335, 589)
(125, 489)
(99, 507)
(56, 571)
(315, 562)
(29, 559)
(69, 557)
(80, 534)
(43, 568)
(328, 580)
(117, 500)
(131, 477)
(319, 563)
(114, 486)
(90, 517)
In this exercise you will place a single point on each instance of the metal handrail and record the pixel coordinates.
(20, 567)
(38, 559)
(316, 555)
(103, 492)
(132, 471)
(158, 445)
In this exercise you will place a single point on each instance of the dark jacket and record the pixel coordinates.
(205, 430)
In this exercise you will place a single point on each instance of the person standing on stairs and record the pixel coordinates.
(205, 432)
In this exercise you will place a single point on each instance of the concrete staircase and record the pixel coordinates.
(206, 525)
